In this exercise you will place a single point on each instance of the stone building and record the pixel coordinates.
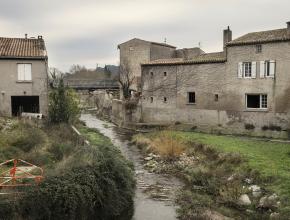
(137, 51)
(243, 89)
(23, 76)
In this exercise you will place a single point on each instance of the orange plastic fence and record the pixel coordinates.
(18, 173)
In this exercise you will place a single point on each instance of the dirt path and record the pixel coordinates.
(155, 193)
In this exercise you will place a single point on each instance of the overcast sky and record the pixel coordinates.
(87, 32)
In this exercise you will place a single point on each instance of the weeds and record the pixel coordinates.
(167, 146)
(216, 178)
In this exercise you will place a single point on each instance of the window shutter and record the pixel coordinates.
(27, 75)
(262, 69)
(20, 72)
(254, 69)
(240, 70)
(272, 68)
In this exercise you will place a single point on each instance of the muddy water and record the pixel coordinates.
(155, 193)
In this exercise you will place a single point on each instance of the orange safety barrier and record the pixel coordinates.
(18, 173)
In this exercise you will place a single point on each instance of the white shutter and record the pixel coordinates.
(27, 75)
(254, 69)
(262, 69)
(240, 70)
(20, 72)
(272, 68)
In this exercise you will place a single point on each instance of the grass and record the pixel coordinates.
(219, 157)
(94, 137)
(270, 159)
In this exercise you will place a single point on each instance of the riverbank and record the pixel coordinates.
(236, 177)
(155, 193)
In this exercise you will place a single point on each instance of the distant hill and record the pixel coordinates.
(100, 73)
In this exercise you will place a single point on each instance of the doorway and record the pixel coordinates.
(21, 104)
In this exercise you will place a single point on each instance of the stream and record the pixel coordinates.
(155, 193)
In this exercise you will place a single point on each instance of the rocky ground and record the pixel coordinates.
(250, 200)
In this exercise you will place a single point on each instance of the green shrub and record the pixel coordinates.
(63, 104)
(60, 150)
(96, 183)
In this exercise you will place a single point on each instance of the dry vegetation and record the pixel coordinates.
(167, 145)
(215, 179)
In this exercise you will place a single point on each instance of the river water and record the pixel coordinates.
(154, 199)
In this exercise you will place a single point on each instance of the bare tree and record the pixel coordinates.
(126, 79)
(54, 76)
(75, 68)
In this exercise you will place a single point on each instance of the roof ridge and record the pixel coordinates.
(278, 29)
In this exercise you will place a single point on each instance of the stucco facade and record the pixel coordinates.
(12, 86)
(222, 95)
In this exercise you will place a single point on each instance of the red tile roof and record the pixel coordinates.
(22, 48)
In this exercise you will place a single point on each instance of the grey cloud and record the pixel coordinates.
(88, 31)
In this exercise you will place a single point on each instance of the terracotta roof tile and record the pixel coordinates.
(22, 48)
(218, 57)
(262, 37)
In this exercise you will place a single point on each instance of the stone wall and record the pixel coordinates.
(135, 52)
(125, 114)
(132, 54)
(228, 114)
(99, 100)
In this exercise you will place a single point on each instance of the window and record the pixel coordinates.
(131, 48)
(257, 101)
(24, 71)
(259, 48)
(191, 97)
(151, 99)
(164, 99)
(247, 67)
(165, 74)
(151, 74)
(267, 68)
(247, 70)
(216, 97)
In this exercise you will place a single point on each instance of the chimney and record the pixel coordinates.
(227, 36)
(25, 36)
(288, 27)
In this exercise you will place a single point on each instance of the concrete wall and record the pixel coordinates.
(229, 114)
(9, 86)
